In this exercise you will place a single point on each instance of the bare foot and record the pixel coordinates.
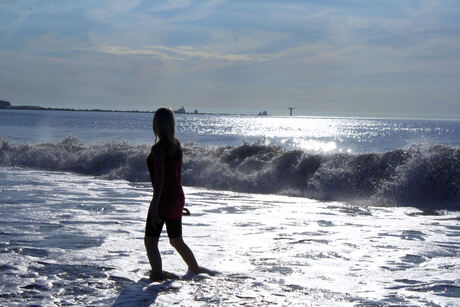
(165, 275)
(169, 275)
(154, 277)
(206, 271)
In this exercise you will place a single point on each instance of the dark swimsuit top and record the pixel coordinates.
(172, 196)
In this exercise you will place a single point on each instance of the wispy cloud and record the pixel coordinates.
(169, 6)
(109, 9)
(181, 53)
(11, 17)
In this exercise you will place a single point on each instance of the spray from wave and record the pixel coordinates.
(421, 176)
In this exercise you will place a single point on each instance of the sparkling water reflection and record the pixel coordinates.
(305, 133)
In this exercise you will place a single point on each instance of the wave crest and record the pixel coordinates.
(422, 176)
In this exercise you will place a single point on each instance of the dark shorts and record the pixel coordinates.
(173, 227)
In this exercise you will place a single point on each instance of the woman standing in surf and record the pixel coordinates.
(165, 166)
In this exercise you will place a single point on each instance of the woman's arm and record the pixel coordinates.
(151, 170)
(158, 162)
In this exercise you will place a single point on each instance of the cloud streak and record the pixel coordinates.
(181, 53)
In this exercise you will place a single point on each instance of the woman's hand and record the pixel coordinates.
(154, 218)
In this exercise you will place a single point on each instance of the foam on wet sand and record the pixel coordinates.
(73, 239)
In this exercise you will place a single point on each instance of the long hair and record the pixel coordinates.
(164, 129)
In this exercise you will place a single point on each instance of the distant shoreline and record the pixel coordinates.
(38, 108)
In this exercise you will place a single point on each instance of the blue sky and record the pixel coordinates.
(350, 58)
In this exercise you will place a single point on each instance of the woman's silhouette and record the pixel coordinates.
(165, 164)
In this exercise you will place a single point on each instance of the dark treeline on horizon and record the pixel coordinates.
(7, 105)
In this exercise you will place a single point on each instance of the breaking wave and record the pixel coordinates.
(421, 176)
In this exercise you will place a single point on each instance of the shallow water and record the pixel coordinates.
(72, 239)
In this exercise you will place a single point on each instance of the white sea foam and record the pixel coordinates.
(68, 239)
(422, 176)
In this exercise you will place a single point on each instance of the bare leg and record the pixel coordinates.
(186, 254)
(151, 245)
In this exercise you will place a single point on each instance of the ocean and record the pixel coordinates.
(289, 210)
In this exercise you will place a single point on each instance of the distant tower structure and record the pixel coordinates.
(290, 110)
